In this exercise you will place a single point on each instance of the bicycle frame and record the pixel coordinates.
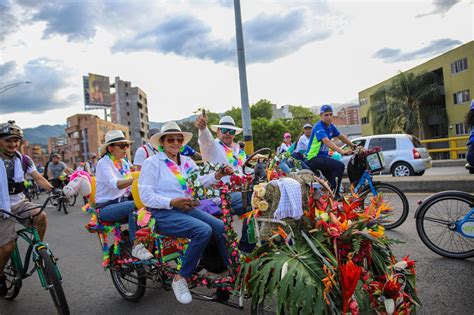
(466, 225)
(366, 177)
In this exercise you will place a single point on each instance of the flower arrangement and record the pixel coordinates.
(339, 261)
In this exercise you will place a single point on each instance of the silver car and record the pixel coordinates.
(404, 154)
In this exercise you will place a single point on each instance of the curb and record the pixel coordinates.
(426, 184)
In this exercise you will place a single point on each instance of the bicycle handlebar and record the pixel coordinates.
(19, 218)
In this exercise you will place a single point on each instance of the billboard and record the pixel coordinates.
(96, 91)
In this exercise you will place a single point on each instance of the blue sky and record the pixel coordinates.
(183, 54)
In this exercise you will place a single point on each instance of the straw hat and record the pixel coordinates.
(170, 128)
(111, 137)
(226, 122)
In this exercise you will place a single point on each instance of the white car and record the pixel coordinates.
(404, 154)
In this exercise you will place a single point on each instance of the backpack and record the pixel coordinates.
(147, 153)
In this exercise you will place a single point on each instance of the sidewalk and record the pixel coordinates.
(426, 183)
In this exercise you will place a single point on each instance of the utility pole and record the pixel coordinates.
(244, 95)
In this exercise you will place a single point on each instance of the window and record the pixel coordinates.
(387, 144)
(363, 101)
(128, 113)
(459, 65)
(128, 104)
(461, 156)
(461, 129)
(126, 93)
(461, 97)
(365, 120)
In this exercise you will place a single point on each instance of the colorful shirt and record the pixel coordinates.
(316, 147)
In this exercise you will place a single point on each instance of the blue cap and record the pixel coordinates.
(325, 109)
(472, 105)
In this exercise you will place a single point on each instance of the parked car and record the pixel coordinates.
(404, 154)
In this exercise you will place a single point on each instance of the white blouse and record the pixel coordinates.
(213, 151)
(158, 185)
(107, 176)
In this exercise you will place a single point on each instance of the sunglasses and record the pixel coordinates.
(122, 145)
(327, 115)
(229, 131)
(173, 140)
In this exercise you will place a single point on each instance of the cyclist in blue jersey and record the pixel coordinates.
(319, 144)
(470, 144)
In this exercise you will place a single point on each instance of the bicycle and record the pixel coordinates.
(45, 263)
(366, 188)
(31, 190)
(445, 223)
(61, 202)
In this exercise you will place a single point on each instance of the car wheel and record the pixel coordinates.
(420, 173)
(401, 169)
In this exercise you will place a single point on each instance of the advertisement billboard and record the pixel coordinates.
(96, 91)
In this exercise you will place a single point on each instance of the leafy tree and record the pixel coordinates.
(261, 109)
(399, 104)
(300, 112)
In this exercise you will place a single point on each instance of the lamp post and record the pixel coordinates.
(5, 88)
(244, 95)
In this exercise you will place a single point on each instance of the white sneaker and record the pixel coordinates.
(139, 251)
(181, 291)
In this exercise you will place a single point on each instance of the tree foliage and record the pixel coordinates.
(398, 105)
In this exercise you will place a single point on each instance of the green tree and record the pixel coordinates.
(300, 112)
(398, 105)
(261, 109)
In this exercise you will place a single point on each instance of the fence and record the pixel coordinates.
(452, 148)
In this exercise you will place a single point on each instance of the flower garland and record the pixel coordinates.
(177, 173)
(122, 165)
(231, 158)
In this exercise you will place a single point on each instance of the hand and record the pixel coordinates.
(201, 122)
(227, 170)
(184, 204)
(347, 151)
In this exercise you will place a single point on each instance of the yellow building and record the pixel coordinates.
(455, 72)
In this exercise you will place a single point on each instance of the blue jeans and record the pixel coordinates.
(238, 209)
(120, 212)
(196, 225)
(330, 168)
(284, 166)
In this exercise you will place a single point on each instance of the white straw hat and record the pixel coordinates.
(170, 128)
(111, 137)
(226, 122)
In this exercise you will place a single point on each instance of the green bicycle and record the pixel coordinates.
(44, 263)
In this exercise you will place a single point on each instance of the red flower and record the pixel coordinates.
(349, 275)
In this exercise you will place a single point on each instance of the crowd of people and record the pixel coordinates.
(165, 163)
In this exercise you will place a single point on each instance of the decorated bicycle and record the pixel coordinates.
(317, 256)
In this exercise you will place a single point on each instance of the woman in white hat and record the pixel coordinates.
(164, 190)
(113, 181)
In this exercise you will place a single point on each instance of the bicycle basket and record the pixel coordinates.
(375, 161)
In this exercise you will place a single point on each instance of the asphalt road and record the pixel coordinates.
(444, 285)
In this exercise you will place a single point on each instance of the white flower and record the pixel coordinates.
(401, 265)
(261, 192)
(389, 306)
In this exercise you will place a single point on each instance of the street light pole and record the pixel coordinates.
(5, 88)
(244, 96)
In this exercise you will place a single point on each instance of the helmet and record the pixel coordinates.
(10, 130)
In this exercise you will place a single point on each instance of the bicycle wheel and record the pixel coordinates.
(64, 203)
(71, 201)
(436, 225)
(395, 198)
(13, 280)
(127, 277)
(53, 281)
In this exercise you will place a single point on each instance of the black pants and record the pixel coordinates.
(330, 168)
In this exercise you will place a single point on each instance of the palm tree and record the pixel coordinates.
(399, 103)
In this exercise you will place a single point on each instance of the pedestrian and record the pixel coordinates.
(469, 121)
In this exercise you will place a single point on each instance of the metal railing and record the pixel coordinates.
(453, 148)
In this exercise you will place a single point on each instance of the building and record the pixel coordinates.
(85, 134)
(454, 71)
(130, 108)
(35, 152)
(349, 115)
(283, 112)
(55, 144)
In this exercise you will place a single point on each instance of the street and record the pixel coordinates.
(444, 285)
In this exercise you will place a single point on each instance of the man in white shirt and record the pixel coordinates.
(302, 142)
(145, 151)
(224, 150)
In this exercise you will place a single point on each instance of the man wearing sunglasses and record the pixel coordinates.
(318, 149)
(225, 150)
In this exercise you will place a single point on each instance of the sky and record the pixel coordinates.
(183, 53)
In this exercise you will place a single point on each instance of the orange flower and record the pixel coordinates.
(280, 232)
(328, 283)
(377, 233)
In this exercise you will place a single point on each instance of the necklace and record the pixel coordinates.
(231, 158)
(173, 167)
(122, 165)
